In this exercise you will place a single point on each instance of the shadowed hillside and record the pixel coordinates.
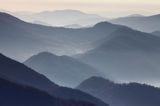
(18, 95)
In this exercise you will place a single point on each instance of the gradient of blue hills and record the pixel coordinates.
(18, 73)
(126, 55)
(25, 39)
(117, 51)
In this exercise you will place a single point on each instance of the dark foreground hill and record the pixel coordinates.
(12, 94)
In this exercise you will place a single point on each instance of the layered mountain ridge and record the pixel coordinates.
(18, 73)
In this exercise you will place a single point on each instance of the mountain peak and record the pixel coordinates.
(49, 56)
(96, 81)
(103, 24)
(106, 26)
(69, 10)
(135, 15)
(66, 11)
(100, 79)
(45, 53)
(6, 16)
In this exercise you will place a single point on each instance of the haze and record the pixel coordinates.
(109, 8)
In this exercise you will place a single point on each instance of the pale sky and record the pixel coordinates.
(109, 8)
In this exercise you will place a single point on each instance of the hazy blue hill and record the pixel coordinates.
(157, 33)
(21, 40)
(135, 15)
(61, 69)
(128, 39)
(146, 23)
(56, 18)
(19, 73)
(17, 95)
(127, 55)
(132, 94)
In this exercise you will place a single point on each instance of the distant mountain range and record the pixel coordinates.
(142, 23)
(81, 48)
(20, 40)
(61, 17)
(61, 69)
(120, 53)
(126, 55)
(131, 94)
(20, 74)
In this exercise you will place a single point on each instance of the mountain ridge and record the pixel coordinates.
(25, 39)
(124, 53)
(129, 94)
(54, 18)
(145, 24)
(55, 68)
